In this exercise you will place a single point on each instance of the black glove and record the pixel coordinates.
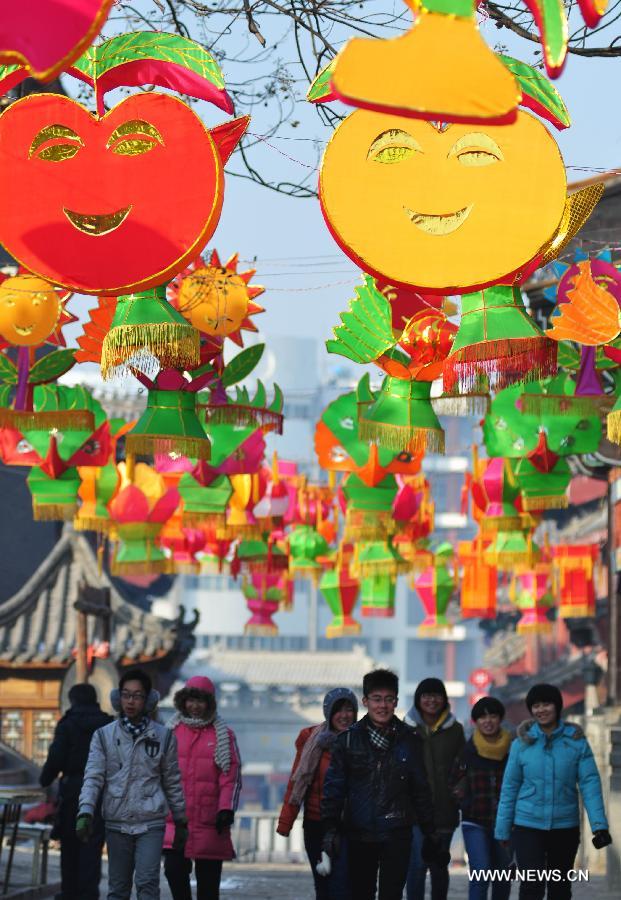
(181, 834)
(331, 843)
(224, 820)
(432, 852)
(601, 839)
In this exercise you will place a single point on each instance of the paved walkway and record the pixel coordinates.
(257, 881)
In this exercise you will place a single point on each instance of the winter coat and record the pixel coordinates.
(475, 782)
(378, 792)
(68, 751)
(312, 800)
(139, 778)
(440, 748)
(207, 790)
(541, 781)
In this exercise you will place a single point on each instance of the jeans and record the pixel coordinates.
(80, 864)
(177, 869)
(538, 849)
(484, 852)
(134, 853)
(389, 858)
(336, 885)
(417, 871)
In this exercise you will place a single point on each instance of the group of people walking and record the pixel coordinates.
(148, 790)
(382, 797)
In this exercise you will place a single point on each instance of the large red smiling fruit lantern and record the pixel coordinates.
(116, 203)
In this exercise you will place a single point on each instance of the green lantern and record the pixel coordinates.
(96, 490)
(400, 417)
(340, 590)
(305, 546)
(379, 558)
(169, 424)
(377, 596)
(53, 499)
(542, 490)
(498, 339)
(369, 509)
(204, 504)
(137, 551)
(145, 326)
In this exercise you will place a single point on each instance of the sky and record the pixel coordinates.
(308, 279)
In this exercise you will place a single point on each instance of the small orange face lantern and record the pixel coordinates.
(30, 310)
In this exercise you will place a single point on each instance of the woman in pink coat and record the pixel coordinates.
(211, 775)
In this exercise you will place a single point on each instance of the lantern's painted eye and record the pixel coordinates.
(55, 143)
(393, 146)
(134, 138)
(476, 149)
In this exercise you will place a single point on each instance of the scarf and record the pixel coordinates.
(320, 739)
(381, 738)
(134, 729)
(222, 756)
(497, 749)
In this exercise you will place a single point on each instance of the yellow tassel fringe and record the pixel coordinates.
(150, 444)
(61, 419)
(53, 512)
(149, 347)
(553, 501)
(614, 426)
(402, 437)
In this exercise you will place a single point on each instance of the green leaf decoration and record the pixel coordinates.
(366, 332)
(568, 357)
(5, 395)
(52, 366)
(8, 370)
(277, 403)
(260, 397)
(540, 95)
(180, 64)
(320, 90)
(242, 365)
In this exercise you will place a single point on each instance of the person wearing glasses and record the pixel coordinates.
(374, 789)
(132, 765)
(443, 739)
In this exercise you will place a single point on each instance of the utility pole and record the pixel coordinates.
(312, 616)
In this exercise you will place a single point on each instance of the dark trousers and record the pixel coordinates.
(336, 885)
(540, 850)
(80, 864)
(178, 869)
(417, 872)
(390, 858)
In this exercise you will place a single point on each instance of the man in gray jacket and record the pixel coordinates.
(133, 761)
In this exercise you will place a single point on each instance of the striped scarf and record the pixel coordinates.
(222, 756)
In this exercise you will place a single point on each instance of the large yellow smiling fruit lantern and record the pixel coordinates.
(444, 207)
(459, 208)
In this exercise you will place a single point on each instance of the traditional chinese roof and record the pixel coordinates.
(38, 623)
(278, 669)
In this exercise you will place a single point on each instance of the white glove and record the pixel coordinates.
(324, 866)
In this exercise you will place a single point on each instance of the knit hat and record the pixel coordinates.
(333, 697)
(430, 686)
(487, 706)
(544, 693)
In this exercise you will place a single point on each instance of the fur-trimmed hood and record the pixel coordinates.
(529, 730)
(414, 719)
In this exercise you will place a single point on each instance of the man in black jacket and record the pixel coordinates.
(374, 789)
(80, 864)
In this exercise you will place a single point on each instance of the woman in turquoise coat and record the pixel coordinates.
(538, 811)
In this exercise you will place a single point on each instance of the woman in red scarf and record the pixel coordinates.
(313, 746)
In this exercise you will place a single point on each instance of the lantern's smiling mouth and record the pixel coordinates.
(24, 330)
(97, 224)
(439, 225)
